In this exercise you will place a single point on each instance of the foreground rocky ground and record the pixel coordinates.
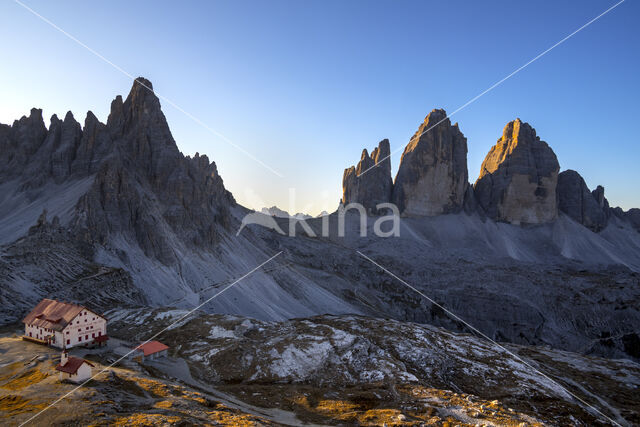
(113, 216)
(326, 370)
(122, 395)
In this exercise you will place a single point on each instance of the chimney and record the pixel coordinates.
(64, 357)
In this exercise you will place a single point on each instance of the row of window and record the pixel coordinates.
(52, 337)
(84, 314)
(86, 337)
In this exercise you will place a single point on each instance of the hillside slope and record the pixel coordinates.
(130, 220)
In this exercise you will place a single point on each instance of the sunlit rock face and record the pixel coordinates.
(369, 183)
(583, 206)
(432, 178)
(518, 178)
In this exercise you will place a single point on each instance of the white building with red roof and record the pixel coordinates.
(74, 369)
(64, 325)
(151, 350)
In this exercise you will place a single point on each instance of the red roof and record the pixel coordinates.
(52, 314)
(72, 365)
(151, 347)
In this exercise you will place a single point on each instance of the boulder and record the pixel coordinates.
(518, 178)
(369, 183)
(583, 206)
(432, 178)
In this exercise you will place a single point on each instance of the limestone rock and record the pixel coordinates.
(598, 194)
(518, 178)
(53, 159)
(471, 205)
(144, 187)
(95, 147)
(432, 178)
(583, 206)
(632, 216)
(19, 142)
(369, 183)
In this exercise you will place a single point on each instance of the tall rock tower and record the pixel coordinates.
(369, 183)
(433, 178)
(518, 178)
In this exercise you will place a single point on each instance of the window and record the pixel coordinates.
(93, 335)
(67, 332)
(79, 339)
(99, 333)
(31, 334)
(68, 342)
(86, 337)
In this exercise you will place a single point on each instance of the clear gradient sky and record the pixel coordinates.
(305, 86)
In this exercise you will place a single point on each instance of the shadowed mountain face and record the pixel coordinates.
(129, 215)
(583, 206)
(141, 185)
(375, 184)
(432, 177)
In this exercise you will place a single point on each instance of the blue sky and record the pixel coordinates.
(305, 86)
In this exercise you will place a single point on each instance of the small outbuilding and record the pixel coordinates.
(74, 369)
(151, 350)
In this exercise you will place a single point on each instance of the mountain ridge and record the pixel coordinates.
(164, 224)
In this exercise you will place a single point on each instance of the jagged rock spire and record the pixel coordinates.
(518, 178)
(583, 206)
(433, 178)
(369, 182)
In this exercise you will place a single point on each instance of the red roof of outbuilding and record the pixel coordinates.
(151, 347)
(72, 365)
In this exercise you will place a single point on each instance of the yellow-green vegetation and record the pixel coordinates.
(13, 405)
(24, 379)
(120, 396)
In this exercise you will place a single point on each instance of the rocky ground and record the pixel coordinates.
(113, 216)
(320, 366)
(123, 395)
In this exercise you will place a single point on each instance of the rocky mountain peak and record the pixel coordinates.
(381, 156)
(68, 118)
(583, 206)
(433, 178)
(436, 115)
(31, 130)
(139, 185)
(598, 194)
(54, 121)
(369, 182)
(141, 98)
(518, 177)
